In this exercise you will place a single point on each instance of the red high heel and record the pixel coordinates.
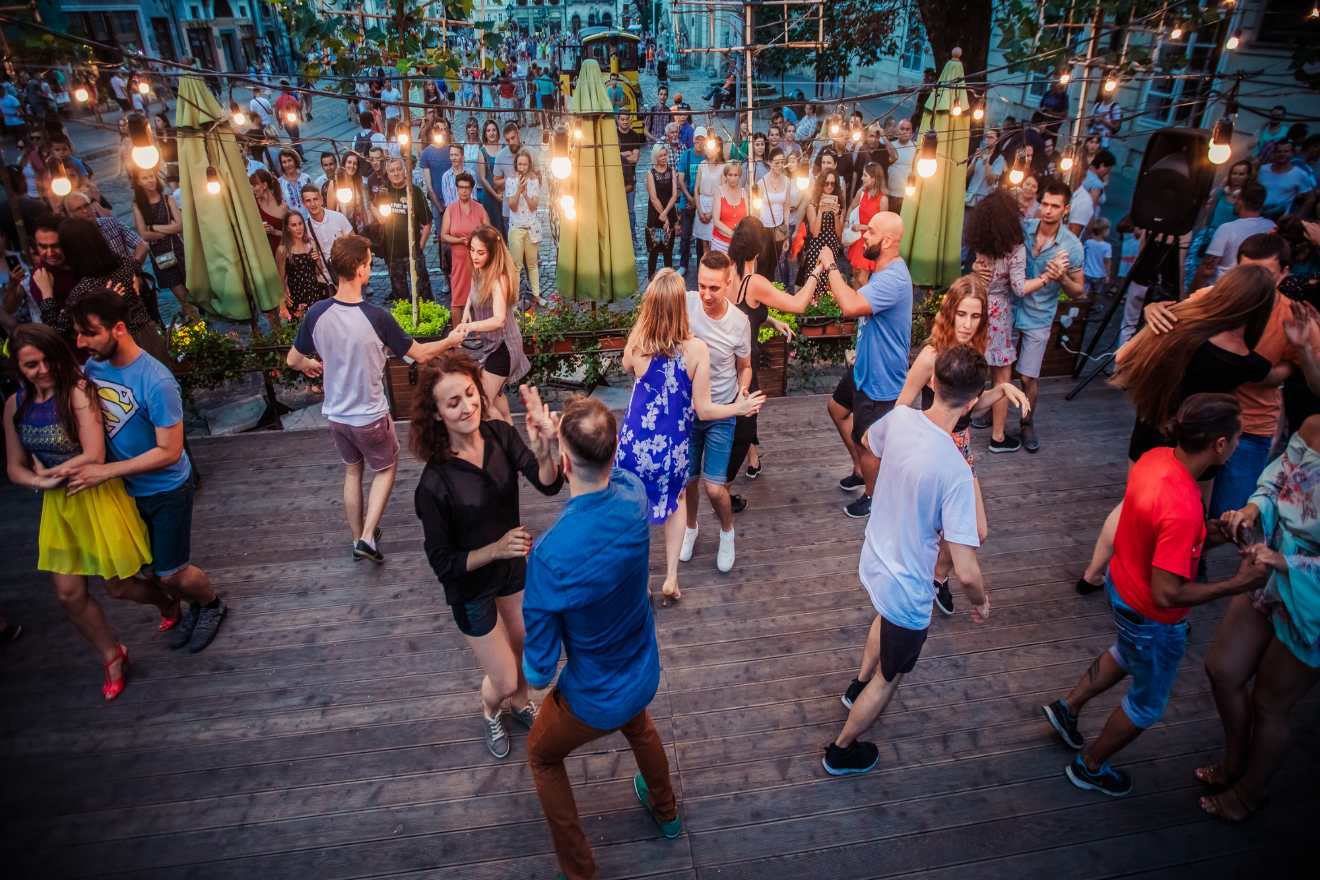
(112, 689)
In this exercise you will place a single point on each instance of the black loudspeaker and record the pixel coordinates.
(1174, 181)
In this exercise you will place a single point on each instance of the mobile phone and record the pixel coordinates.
(13, 262)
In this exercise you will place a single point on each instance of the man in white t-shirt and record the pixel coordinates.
(327, 226)
(119, 89)
(728, 334)
(262, 110)
(387, 95)
(1222, 252)
(929, 487)
(896, 180)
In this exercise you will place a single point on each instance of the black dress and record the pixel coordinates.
(744, 430)
(1213, 370)
(306, 283)
(169, 276)
(664, 191)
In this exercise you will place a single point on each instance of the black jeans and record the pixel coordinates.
(688, 216)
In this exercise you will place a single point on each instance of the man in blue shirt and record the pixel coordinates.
(587, 593)
(143, 414)
(1055, 254)
(884, 337)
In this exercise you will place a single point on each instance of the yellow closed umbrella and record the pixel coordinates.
(596, 258)
(230, 269)
(933, 218)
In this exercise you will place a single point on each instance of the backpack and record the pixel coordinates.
(362, 143)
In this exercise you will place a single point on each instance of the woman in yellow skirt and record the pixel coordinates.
(54, 419)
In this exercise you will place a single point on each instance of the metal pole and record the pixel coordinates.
(747, 72)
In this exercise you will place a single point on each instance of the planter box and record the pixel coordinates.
(1058, 360)
(772, 371)
(400, 386)
(827, 328)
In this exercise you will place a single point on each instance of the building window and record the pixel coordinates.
(1179, 99)
(914, 41)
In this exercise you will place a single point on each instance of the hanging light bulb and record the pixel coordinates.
(926, 163)
(802, 182)
(144, 88)
(1234, 41)
(401, 136)
(212, 180)
(910, 188)
(1018, 173)
(81, 95)
(978, 113)
(955, 109)
(383, 209)
(1221, 141)
(712, 147)
(757, 202)
(857, 136)
(145, 155)
(1111, 84)
(1314, 13)
(237, 115)
(577, 134)
(1066, 160)
(343, 187)
(291, 117)
(568, 206)
(561, 167)
(60, 184)
(438, 136)
(1064, 78)
(1176, 33)
(835, 129)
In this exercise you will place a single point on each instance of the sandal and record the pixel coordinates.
(1229, 806)
(112, 688)
(1213, 775)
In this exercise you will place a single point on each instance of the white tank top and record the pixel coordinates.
(774, 206)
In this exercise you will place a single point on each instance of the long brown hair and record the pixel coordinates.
(499, 264)
(662, 325)
(429, 438)
(63, 367)
(1152, 368)
(942, 334)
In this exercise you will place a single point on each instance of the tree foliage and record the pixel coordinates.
(857, 33)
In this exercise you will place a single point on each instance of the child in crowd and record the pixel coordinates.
(1098, 258)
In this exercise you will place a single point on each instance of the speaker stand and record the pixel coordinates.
(1157, 266)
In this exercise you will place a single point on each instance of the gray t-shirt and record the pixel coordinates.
(728, 338)
(351, 340)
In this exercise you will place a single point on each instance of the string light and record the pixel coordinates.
(802, 182)
(857, 136)
(237, 115)
(568, 206)
(343, 187)
(145, 155)
(291, 117)
(1066, 160)
(1314, 13)
(1018, 173)
(402, 137)
(1111, 84)
(926, 163)
(577, 134)
(438, 136)
(757, 201)
(835, 129)
(978, 113)
(212, 180)
(956, 109)
(1176, 33)
(560, 164)
(910, 188)
(711, 147)
(1064, 78)
(81, 95)
(383, 209)
(144, 88)
(60, 184)
(1221, 141)
(1234, 41)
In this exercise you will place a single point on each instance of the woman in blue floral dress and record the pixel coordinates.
(1271, 634)
(672, 368)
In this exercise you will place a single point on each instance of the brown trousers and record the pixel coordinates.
(556, 734)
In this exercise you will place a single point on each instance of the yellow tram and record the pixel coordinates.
(616, 52)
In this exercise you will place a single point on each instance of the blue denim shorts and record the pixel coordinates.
(168, 516)
(1149, 652)
(709, 450)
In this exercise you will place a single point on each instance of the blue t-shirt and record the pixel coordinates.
(789, 115)
(435, 162)
(590, 597)
(1036, 310)
(135, 401)
(884, 338)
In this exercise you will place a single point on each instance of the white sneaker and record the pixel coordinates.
(689, 544)
(724, 559)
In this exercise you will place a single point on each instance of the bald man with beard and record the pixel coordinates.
(884, 337)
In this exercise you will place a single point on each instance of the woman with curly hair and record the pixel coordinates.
(467, 500)
(994, 236)
(961, 320)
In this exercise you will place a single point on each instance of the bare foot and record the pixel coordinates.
(1214, 775)
(1228, 806)
(670, 594)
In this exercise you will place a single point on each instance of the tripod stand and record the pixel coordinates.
(1157, 266)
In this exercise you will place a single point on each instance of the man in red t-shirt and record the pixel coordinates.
(288, 109)
(1157, 547)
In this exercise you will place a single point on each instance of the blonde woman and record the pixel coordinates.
(672, 369)
(522, 196)
(731, 206)
(491, 319)
(707, 191)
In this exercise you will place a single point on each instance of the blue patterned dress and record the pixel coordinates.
(653, 441)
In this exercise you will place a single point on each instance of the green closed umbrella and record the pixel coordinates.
(596, 258)
(933, 218)
(227, 257)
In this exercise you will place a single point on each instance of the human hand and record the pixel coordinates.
(515, 544)
(981, 613)
(1312, 230)
(1253, 569)
(984, 269)
(1238, 521)
(826, 257)
(458, 334)
(782, 328)
(47, 482)
(84, 476)
(16, 276)
(542, 426)
(1300, 327)
(1159, 317)
(750, 403)
(311, 368)
(1262, 554)
(45, 282)
(1017, 397)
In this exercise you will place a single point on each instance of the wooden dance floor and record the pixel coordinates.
(331, 731)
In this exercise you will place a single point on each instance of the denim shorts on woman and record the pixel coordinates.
(1149, 652)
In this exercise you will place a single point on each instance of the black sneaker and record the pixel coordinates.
(1086, 588)
(853, 692)
(363, 550)
(208, 624)
(859, 509)
(1106, 780)
(1029, 441)
(1008, 444)
(183, 630)
(851, 483)
(738, 503)
(1064, 723)
(981, 422)
(944, 598)
(753, 472)
(859, 757)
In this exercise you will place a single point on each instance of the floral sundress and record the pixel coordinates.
(656, 432)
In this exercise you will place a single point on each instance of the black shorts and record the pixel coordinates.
(844, 391)
(866, 412)
(498, 362)
(899, 648)
(476, 617)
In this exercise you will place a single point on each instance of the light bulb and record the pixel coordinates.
(60, 184)
(383, 209)
(212, 181)
(577, 134)
(835, 129)
(910, 189)
(344, 194)
(143, 88)
(291, 117)
(1066, 162)
(802, 182)
(978, 113)
(1315, 12)
(561, 167)
(711, 147)
(1065, 78)
(1221, 141)
(926, 162)
(237, 115)
(568, 206)
(81, 95)
(437, 137)
(1176, 33)
(402, 137)
(926, 167)
(1111, 85)
(1233, 41)
(147, 157)
(1016, 176)
(857, 136)
(757, 203)
(956, 109)
(1220, 153)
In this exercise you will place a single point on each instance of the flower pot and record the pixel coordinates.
(813, 330)
(612, 343)
(561, 346)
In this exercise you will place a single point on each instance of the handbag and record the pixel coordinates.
(165, 259)
(850, 234)
(658, 236)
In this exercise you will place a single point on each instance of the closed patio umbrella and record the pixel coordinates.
(596, 258)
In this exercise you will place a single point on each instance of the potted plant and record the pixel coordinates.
(401, 375)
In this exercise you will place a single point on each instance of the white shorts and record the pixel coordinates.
(1030, 345)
